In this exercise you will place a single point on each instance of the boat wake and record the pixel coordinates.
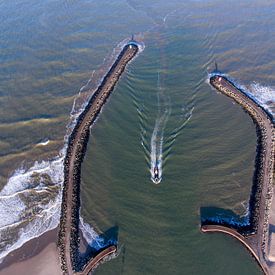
(159, 144)
(30, 202)
(164, 111)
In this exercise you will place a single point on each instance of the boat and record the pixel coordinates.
(156, 174)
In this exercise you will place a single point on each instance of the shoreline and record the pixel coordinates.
(57, 157)
(68, 237)
(32, 253)
(254, 235)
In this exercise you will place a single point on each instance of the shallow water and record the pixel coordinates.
(52, 51)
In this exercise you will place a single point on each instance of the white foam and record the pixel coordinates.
(91, 235)
(265, 96)
(164, 111)
(22, 216)
(20, 210)
(21, 179)
(262, 95)
(43, 143)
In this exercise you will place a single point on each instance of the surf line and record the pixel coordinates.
(253, 235)
(68, 237)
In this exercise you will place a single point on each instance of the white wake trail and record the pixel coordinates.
(164, 111)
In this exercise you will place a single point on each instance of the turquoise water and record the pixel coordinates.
(51, 51)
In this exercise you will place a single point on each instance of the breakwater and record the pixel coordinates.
(255, 232)
(93, 263)
(236, 235)
(68, 238)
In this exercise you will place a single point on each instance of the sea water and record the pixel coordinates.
(162, 112)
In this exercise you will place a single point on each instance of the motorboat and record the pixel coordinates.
(156, 177)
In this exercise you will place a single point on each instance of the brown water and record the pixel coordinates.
(49, 51)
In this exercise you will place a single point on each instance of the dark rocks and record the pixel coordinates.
(77, 145)
(221, 84)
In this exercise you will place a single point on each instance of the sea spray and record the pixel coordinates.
(91, 236)
(264, 96)
(30, 204)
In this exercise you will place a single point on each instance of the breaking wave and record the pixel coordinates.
(91, 235)
(30, 202)
(264, 96)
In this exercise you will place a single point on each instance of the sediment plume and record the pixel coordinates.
(253, 235)
(68, 239)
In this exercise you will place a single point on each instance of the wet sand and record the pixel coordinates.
(38, 256)
(41, 255)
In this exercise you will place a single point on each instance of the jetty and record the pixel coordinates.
(68, 237)
(258, 235)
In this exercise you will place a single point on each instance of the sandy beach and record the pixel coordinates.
(40, 254)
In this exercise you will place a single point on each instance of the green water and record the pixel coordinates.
(49, 51)
(208, 165)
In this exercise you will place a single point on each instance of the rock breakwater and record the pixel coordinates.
(255, 232)
(68, 239)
